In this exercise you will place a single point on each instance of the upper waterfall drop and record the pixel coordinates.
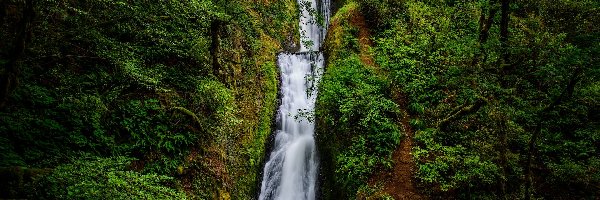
(291, 171)
(313, 13)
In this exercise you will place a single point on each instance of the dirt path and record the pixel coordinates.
(398, 181)
(364, 39)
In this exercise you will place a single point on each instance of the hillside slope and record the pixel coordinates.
(498, 99)
(135, 89)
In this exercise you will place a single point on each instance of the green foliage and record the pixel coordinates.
(359, 117)
(142, 79)
(214, 99)
(373, 193)
(433, 52)
(381, 13)
(188, 87)
(103, 178)
(453, 166)
(481, 109)
(9, 155)
(149, 130)
(254, 153)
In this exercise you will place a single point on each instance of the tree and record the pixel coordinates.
(21, 29)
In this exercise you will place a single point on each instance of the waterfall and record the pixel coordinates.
(291, 171)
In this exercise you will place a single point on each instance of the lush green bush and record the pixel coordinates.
(453, 166)
(217, 103)
(148, 130)
(358, 116)
(103, 178)
(381, 13)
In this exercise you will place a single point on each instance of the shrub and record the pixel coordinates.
(103, 178)
(358, 117)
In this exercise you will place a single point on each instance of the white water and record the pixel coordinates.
(291, 171)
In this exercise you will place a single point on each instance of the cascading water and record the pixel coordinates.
(291, 171)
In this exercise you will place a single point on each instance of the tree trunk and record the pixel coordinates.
(504, 29)
(215, 31)
(462, 111)
(9, 80)
(542, 115)
(484, 29)
(2, 12)
(503, 160)
(504, 19)
(485, 24)
(528, 173)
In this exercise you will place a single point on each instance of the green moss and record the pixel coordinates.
(255, 148)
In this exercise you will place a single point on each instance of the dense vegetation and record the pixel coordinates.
(137, 99)
(354, 109)
(503, 97)
(133, 99)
